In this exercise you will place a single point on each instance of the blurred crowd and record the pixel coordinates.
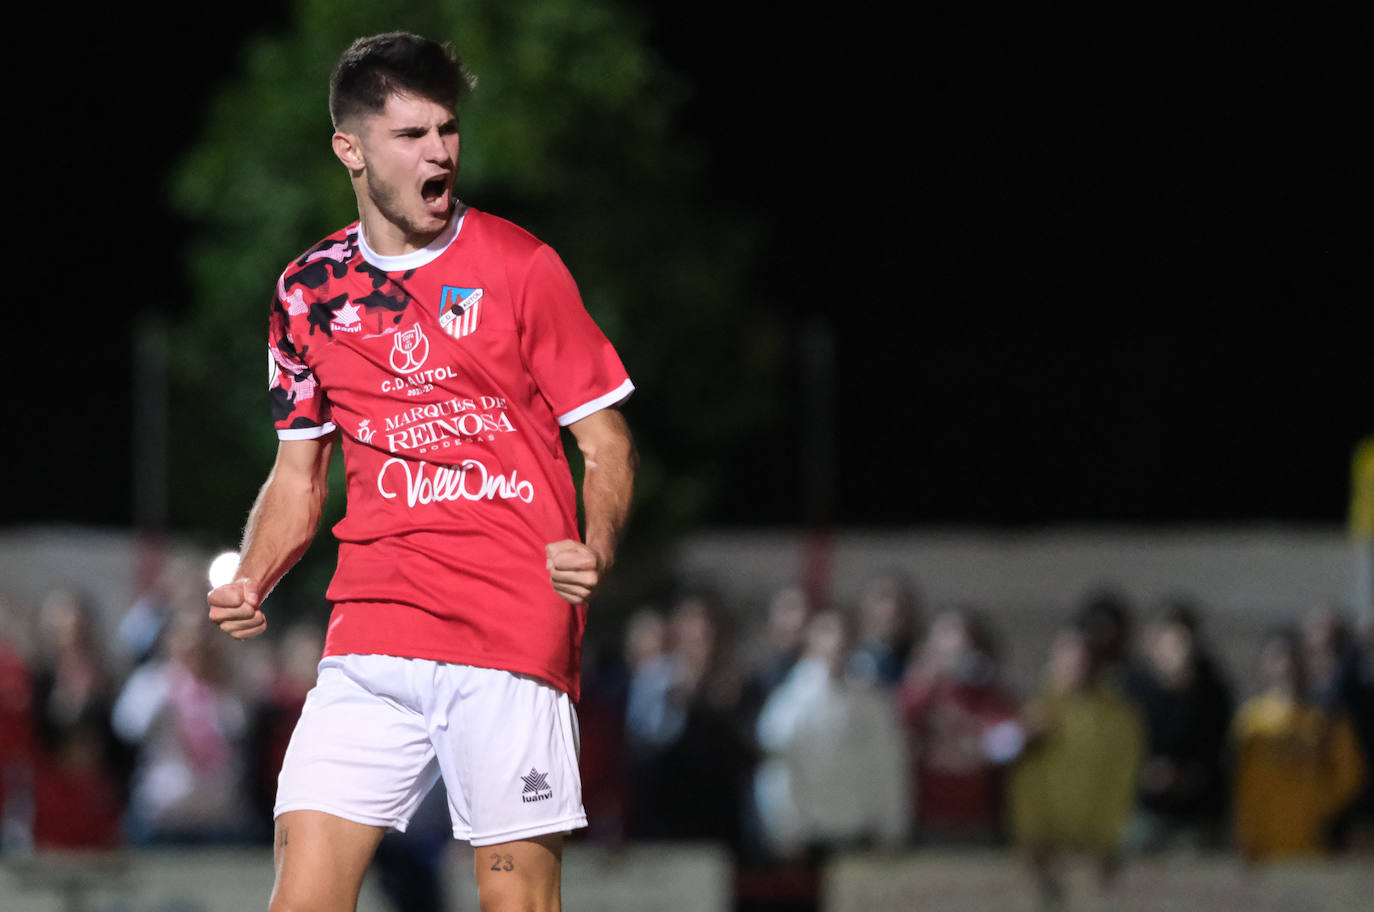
(880, 725)
(788, 732)
(154, 733)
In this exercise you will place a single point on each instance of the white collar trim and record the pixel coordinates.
(416, 258)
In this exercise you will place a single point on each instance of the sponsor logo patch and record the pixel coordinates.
(469, 480)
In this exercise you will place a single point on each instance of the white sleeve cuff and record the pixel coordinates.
(614, 397)
(306, 433)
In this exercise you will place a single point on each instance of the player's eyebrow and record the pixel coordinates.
(448, 126)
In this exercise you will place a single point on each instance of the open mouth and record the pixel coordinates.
(435, 192)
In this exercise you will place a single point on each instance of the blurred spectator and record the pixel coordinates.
(835, 769)
(603, 714)
(289, 678)
(1342, 682)
(784, 635)
(1297, 766)
(79, 779)
(1074, 785)
(687, 758)
(188, 729)
(958, 715)
(888, 617)
(1104, 621)
(178, 585)
(772, 655)
(1187, 706)
(16, 740)
(652, 714)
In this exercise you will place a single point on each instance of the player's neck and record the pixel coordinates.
(413, 256)
(389, 239)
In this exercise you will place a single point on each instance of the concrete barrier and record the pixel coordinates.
(996, 881)
(636, 878)
(698, 878)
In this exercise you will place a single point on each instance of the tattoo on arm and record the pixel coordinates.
(502, 862)
(281, 837)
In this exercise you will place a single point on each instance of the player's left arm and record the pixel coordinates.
(608, 453)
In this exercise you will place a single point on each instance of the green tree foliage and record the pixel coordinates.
(571, 133)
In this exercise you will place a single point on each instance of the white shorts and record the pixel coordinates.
(378, 731)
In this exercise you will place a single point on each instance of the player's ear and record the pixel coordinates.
(348, 147)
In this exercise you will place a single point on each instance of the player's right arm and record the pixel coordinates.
(280, 527)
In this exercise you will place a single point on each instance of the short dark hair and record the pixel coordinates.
(378, 66)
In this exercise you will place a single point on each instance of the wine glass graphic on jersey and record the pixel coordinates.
(409, 350)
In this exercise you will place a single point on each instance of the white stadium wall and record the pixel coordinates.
(1245, 579)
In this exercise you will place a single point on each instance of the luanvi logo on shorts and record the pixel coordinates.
(537, 787)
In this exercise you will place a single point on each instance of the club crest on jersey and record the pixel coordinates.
(459, 310)
(409, 349)
(346, 319)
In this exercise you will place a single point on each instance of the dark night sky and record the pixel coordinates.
(1074, 270)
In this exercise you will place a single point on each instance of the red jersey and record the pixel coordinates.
(449, 372)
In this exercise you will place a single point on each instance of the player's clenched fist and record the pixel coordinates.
(574, 569)
(234, 607)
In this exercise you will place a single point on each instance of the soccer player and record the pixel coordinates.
(444, 347)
